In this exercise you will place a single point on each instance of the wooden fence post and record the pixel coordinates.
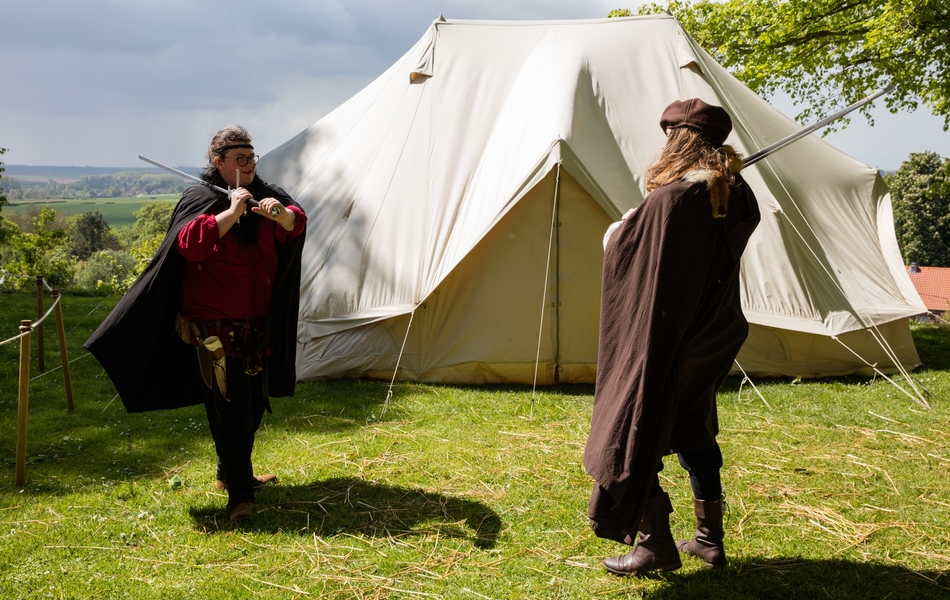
(23, 402)
(40, 350)
(61, 334)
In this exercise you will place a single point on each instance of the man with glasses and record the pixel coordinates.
(226, 280)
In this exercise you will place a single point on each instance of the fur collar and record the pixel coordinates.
(709, 176)
(706, 176)
(716, 185)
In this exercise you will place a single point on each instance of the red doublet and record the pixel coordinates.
(225, 277)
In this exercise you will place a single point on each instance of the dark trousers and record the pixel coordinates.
(703, 467)
(234, 423)
(257, 414)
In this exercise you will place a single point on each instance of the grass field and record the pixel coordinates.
(118, 212)
(840, 490)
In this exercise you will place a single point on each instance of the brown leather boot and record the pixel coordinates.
(707, 544)
(655, 547)
(242, 511)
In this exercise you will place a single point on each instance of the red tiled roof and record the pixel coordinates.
(933, 285)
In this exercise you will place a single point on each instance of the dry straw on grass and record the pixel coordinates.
(836, 488)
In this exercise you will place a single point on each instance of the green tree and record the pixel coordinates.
(827, 53)
(90, 233)
(5, 228)
(151, 223)
(920, 194)
(3, 198)
(43, 251)
(153, 218)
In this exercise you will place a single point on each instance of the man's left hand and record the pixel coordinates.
(285, 218)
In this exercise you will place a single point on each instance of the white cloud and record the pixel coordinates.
(96, 82)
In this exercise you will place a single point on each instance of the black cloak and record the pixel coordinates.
(671, 326)
(149, 364)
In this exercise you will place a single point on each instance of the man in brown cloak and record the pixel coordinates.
(671, 326)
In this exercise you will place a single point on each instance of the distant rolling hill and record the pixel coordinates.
(118, 212)
(31, 173)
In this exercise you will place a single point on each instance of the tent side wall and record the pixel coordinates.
(372, 350)
(772, 352)
(481, 324)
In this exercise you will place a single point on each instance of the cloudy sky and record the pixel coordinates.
(97, 82)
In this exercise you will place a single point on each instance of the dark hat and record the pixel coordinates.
(712, 122)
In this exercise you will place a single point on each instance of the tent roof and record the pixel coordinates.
(404, 179)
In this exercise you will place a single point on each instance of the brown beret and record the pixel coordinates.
(712, 122)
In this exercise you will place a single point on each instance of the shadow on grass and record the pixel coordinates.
(101, 442)
(758, 578)
(352, 506)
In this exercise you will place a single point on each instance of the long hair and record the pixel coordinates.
(687, 150)
(246, 227)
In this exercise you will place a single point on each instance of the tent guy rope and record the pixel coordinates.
(389, 394)
(544, 294)
(746, 378)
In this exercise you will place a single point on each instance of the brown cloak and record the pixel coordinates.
(671, 326)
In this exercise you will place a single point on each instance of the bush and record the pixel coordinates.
(41, 247)
(105, 272)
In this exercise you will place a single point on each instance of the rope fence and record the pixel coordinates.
(27, 328)
(35, 324)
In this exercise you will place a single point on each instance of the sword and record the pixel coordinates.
(764, 152)
(227, 192)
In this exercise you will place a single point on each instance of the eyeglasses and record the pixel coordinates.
(243, 160)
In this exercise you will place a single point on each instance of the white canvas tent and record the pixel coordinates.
(457, 206)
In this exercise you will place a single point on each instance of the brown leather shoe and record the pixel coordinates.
(264, 479)
(221, 485)
(242, 511)
(655, 548)
(644, 558)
